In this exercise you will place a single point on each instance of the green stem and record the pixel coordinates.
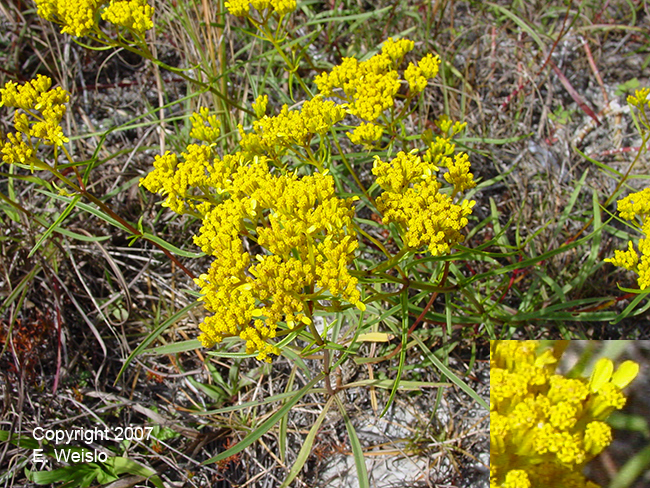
(105, 208)
(349, 166)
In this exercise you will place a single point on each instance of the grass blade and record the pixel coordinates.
(357, 451)
(449, 373)
(402, 355)
(266, 426)
(305, 450)
(55, 225)
(154, 335)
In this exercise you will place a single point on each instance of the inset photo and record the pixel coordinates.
(569, 413)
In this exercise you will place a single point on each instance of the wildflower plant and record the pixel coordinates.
(283, 241)
(279, 210)
(545, 427)
(635, 207)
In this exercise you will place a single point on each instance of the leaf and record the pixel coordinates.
(450, 374)
(266, 426)
(154, 335)
(55, 225)
(305, 450)
(357, 451)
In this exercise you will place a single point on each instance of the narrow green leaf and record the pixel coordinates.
(53, 227)
(520, 22)
(450, 374)
(266, 426)
(87, 208)
(402, 355)
(22, 441)
(305, 450)
(121, 465)
(176, 347)
(357, 451)
(284, 421)
(154, 335)
(318, 19)
(632, 471)
(171, 248)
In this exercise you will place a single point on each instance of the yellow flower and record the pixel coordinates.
(396, 49)
(366, 134)
(260, 105)
(644, 272)
(598, 435)
(517, 478)
(76, 16)
(241, 8)
(283, 7)
(132, 14)
(368, 87)
(547, 427)
(38, 115)
(303, 233)
(429, 66)
(625, 259)
(402, 171)
(15, 150)
(205, 127)
(416, 80)
(640, 98)
(374, 94)
(412, 200)
(292, 127)
(636, 206)
(238, 8)
(458, 174)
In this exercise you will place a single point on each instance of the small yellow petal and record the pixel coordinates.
(625, 373)
(601, 374)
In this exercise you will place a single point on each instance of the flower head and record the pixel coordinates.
(205, 127)
(79, 17)
(241, 8)
(636, 208)
(366, 133)
(38, 117)
(76, 16)
(546, 426)
(132, 14)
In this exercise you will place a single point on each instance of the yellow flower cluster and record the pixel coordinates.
(275, 134)
(640, 99)
(545, 427)
(259, 105)
(630, 207)
(241, 8)
(181, 182)
(76, 16)
(39, 116)
(132, 14)
(366, 133)
(205, 127)
(418, 76)
(412, 197)
(279, 240)
(370, 87)
(79, 17)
